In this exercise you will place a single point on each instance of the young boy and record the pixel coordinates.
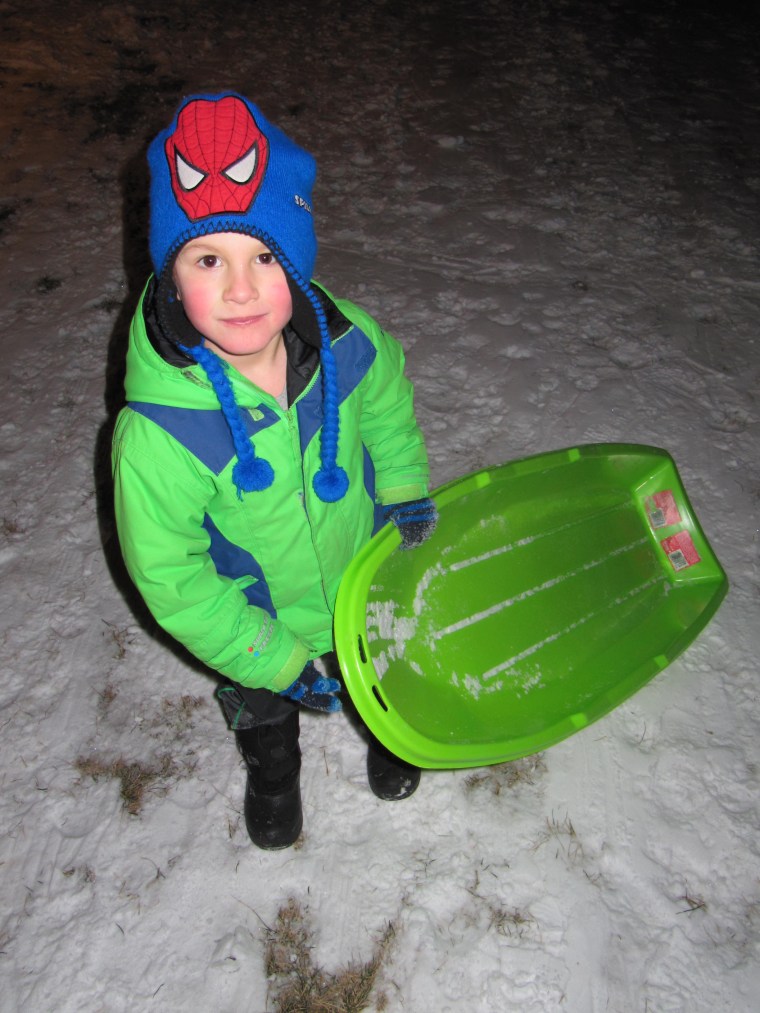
(269, 430)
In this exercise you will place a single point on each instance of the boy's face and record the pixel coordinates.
(235, 293)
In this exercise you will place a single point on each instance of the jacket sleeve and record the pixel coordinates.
(388, 425)
(159, 511)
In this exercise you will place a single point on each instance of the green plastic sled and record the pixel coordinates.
(552, 589)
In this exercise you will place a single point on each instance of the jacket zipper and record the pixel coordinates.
(291, 417)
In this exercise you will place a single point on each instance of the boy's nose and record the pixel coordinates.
(241, 286)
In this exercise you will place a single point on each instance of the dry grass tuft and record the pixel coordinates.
(510, 922)
(299, 986)
(563, 833)
(136, 778)
(121, 638)
(178, 714)
(693, 903)
(507, 776)
(11, 526)
(106, 698)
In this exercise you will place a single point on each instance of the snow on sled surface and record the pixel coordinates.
(553, 588)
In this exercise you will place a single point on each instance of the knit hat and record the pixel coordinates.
(222, 167)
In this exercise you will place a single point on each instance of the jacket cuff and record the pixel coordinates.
(401, 494)
(291, 669)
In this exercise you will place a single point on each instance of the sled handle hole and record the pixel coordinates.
(362, 652)
(379, 699)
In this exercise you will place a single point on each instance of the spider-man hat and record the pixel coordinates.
(222, 167)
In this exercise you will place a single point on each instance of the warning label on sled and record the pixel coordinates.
(662, 509)
(681, 550)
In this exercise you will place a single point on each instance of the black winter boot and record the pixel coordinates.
(390, 777)
(273, 814)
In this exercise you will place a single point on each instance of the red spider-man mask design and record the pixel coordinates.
(217, 157)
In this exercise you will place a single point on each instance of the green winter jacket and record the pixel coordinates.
(248, 584)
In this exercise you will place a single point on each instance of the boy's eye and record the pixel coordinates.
(265, 258)
(209, 260)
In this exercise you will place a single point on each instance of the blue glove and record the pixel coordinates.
(416, 520)
(312, 689)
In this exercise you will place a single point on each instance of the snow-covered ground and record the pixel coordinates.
(554, 205)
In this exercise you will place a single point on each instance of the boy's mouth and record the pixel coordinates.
(243, 321)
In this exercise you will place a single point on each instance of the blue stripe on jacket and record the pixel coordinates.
(204, 431)
(354, 354)
(234, 562)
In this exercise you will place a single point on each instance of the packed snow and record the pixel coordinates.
(554, 206)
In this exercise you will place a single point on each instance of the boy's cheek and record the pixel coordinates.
(196, 306)
(284, 300)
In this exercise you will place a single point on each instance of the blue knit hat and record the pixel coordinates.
(222, 167)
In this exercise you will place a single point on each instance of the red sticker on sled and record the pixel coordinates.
(680, 550)
(662, 509)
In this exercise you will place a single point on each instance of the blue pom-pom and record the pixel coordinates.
(331, 485)
(252, 475)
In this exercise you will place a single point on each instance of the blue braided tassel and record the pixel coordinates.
(251, 473)
(331, 481)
